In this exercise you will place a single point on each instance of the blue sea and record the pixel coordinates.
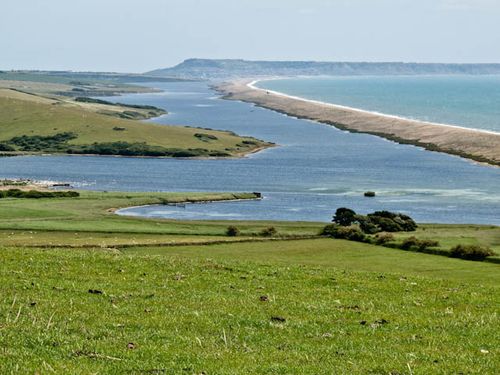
(468, 101)
(314, 170)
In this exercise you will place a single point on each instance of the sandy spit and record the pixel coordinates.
(477, 145)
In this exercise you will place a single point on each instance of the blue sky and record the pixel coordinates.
(140, 35)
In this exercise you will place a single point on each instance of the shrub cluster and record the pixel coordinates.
(471, 252)
(59, 143)
(141, 149)
(232, 231)
(55, 142)
(378, 221)
(6, 147)
(35, 194)
(413, 243)
(351, 233)
(383, 238)
(268, 232)
(205, 137)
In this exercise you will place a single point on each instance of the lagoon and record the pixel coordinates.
(315, 169)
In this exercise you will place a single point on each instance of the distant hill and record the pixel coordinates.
(222, 69)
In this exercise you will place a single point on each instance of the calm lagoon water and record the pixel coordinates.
(469, 101)
(316, 169)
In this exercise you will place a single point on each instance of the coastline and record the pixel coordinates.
(256, 197)
(474, 144)
(236, 155)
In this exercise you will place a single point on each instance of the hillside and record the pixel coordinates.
(165, 296)
(222, 69)
(31, 123)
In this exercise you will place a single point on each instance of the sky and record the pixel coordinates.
(141, 35)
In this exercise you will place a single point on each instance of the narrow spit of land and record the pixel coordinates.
(481, 146)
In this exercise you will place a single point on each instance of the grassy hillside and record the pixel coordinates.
(54, 125)
(67, 85)
(174, 314)
(85, 291)
(74, 83)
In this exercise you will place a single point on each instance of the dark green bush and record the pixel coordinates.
(393, 222)
(205, 137)
(35, 194)
(378, 221)
(385, 224)
(6, 147)
(366, 224)
(328, 230)
(268, 232)
(43, 143)
(351, 233)
(471, 252)
(232, 231)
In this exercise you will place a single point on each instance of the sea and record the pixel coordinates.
(463, 100)
(314, 169)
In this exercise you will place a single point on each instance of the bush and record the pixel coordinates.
(35, 194)
(367, 225)
(6, 147)
(268, 232)
(471, 252)
(328, 230)
(205, 137)
(425, 244)
(393, 222)
(232, 231)
(386, 224)
(43, 143)
(351, 233)
(383, 238)
(344, 216)
(409, 243)
(415, 243)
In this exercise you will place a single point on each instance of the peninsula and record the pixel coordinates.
(477, 145)
(47, 117)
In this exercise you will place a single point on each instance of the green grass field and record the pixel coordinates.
(83, 290)
(23, 114)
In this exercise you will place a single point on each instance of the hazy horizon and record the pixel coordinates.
(138, 36)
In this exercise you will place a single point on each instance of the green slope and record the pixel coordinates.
(28, 115)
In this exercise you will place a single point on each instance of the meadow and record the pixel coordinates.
(83, 290)
(34, 121)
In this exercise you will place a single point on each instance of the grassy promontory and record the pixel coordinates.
(83, 290)
(33, 123)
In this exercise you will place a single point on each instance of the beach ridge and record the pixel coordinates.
(478, 145)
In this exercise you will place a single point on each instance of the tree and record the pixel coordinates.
(344, 216)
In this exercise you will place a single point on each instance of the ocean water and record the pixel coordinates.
(315, 169)
(468, 101)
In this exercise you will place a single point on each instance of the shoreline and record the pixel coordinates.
(474, 144)
(364, 111)
(117, 210)
(236, 155)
